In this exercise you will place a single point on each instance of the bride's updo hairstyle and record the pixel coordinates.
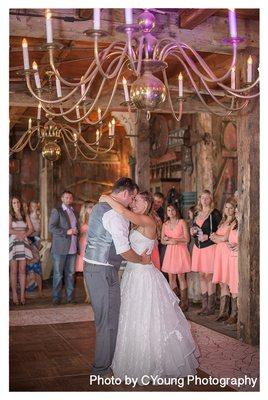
(148, 197)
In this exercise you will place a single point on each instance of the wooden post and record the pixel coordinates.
(248, 189)
(142, 153)
(204, 155)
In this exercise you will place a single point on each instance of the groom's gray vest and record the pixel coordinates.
(100, 246)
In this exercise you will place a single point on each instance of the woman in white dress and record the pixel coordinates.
(154, 337)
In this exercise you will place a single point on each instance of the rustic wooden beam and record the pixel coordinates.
(249, 208)
(193, 17)
(205, 37)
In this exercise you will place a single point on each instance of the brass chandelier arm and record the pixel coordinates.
(82, 140)
(98, 63)
(131, 53)
(23, 141)
(238, 91)
(170, 101)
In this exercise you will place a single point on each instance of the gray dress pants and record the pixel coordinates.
(104, 290)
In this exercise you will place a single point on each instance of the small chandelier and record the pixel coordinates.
(144, 57)
(52, 136)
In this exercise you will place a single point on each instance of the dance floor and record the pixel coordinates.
(52, 349)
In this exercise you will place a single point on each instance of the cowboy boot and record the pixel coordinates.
(224, 309)
(204, 304)
(211, 304)
(184, 300)
(176, 290)
(233, 317)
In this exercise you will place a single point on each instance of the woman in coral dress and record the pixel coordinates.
(83, 221)
(206, 222)
(221, 269)
(233, 268)
(175, 235)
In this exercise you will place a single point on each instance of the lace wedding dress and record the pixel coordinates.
(154, 337)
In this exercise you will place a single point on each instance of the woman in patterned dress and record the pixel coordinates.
(20, 226)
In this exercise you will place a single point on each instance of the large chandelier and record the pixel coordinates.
(144, 55)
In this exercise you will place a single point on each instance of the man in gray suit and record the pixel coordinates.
(107, 245)
(63, 226)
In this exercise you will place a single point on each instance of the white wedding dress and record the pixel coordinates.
(154, 337)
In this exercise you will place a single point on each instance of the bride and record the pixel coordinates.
(154, 337)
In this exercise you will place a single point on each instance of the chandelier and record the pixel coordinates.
(76, 139)
(144, 55)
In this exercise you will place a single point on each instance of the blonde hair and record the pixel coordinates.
(83, 215)
(233, 202)
(199, 206)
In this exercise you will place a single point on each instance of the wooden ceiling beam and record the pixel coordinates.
(205, 37)
(191, 18)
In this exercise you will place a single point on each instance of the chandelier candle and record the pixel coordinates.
(97, 136)
(113, 126)
(30, 124)
(232, 22)
(36, 76)
(180, 79)
(124, 81)
(83, 87)
(25, 54)
(233, 78)
(49, 26)
(110, 129)
(39, 108)
(249, 69)
(99, 114)
(77, 112)
(128, 16)
(96, 16)
(58, 87)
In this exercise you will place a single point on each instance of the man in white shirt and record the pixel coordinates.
(107, 245)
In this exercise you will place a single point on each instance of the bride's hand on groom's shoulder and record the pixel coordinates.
(103, 198)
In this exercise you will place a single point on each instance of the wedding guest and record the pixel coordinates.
(205, 223)
(175, 235)
(35, 216)
(84, 217)
(233, 276)
(63, 226)
(193, 282)
(20, 227)
(159, 213)
(221, 270)
(158, 205)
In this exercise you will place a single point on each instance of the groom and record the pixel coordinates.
(107, 245)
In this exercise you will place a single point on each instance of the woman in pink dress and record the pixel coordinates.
(221, 269)
(206, 222)
(175, 235)
(155, 257)
(233, 268)
(83, 222)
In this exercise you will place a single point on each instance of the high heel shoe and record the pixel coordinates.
(22, 302)
(15, 302)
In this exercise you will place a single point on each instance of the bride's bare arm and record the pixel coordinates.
(137, 219)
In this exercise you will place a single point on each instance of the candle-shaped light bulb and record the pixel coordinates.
(99, 113)
(83, 87)
(97, 136)
(36, 75)
(113, 126)
(233, 78)
(180, 80)
(39, 108)
(249, 69)
(49, 26)
(75, 137)
(29, 124)
(96, 18)
(128, 16)
(58, 87)
(25, 54)
(110, 129)
(77, 112)
(124, 81)
(232, 23)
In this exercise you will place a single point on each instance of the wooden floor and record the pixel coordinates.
(59, 357)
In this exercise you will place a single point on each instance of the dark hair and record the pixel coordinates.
(176, 208)
(125, 184)
(12, 212)
(160, 195)
(67, 192)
